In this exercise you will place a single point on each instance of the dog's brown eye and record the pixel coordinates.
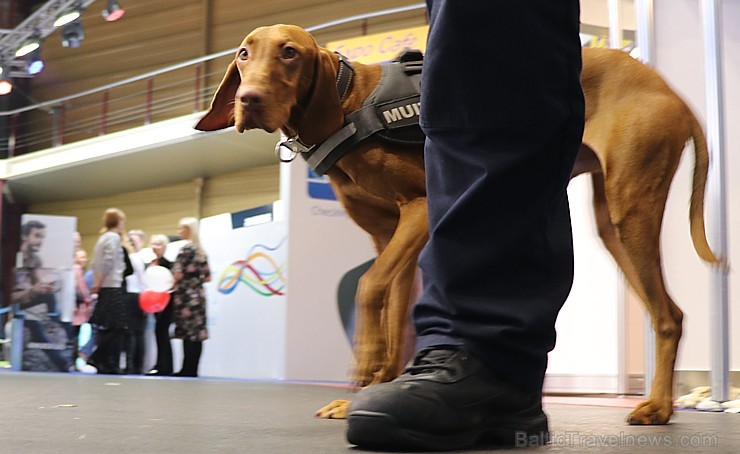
(243, 54)
(289, 52)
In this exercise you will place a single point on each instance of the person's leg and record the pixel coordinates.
(186, 359)
(107, 357)
(164, 347)
(499, 295)
(76, 342)
(130, 351)
(191, 358)
(87, 349)
(195, 352)
(503, 121)
(118, 346)
(99, 358)
(138, 360)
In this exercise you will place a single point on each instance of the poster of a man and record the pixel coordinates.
(35, 286)
(42, 291)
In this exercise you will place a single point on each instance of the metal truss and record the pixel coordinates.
(40, 23)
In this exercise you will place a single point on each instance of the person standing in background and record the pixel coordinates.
(163, 366)
(137, 319)
(110, 314)
(83, 311)
(191, 272)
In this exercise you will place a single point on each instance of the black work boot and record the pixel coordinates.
(445, 399)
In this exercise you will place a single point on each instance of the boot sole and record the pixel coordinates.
(381, 431)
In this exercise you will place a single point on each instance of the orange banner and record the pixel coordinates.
(381, 47)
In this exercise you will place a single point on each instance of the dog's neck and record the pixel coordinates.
(300, 129)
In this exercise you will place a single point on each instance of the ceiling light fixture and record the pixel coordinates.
(68, 15)
(34, 62)
(113, 12)
(30, 45)
(6, 86)
(72, 34)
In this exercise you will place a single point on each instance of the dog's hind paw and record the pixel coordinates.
(337, 409)
(650, 412)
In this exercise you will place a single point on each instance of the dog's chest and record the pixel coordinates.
(391, 172)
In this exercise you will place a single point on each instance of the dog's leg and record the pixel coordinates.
(386, 292)
(383, 302)
(379, 218)
(630, 228)
(410, 237)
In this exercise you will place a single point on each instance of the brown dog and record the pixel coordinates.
(636, 130)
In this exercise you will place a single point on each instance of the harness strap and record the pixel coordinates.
(344, 76)
(322, 158)
(397, 108)
(359, 125)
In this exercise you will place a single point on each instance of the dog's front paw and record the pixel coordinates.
(337, 409)
(651, 412)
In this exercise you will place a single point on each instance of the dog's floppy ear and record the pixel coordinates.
(322, 114)
(221, 113)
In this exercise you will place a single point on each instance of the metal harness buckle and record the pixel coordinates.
(294, 146)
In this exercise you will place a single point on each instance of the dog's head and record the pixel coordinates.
(279, 79)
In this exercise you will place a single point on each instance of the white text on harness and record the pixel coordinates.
(402, 112)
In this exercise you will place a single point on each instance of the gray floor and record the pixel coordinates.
(74, 413)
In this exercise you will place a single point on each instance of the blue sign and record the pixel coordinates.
(319, 187)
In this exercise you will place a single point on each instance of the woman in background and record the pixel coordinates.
(133, 285)
(158, 244)
(83, 311)
(191, 272)
(110, 314)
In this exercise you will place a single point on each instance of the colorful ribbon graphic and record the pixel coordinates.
(258, 271)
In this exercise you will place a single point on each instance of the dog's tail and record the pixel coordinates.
(696, 210)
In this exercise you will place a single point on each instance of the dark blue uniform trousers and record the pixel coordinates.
(503, 111)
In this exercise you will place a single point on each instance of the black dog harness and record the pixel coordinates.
(391, 112)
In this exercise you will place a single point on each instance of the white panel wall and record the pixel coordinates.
(680, 59)
(246, 301)
(587, 325)
(324, 245)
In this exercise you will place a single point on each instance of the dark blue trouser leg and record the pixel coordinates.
(162, 334)
(503, 112)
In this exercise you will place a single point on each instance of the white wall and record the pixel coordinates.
(246, 301)
(587, 337)
(679, 57)
(587, 325)
(324, 244)
(596, 12)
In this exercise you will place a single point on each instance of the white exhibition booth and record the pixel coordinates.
(272, 302)
(683, 53)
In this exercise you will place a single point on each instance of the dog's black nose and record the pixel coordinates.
(250, 96)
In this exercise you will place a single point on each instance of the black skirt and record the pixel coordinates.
(110, 310)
